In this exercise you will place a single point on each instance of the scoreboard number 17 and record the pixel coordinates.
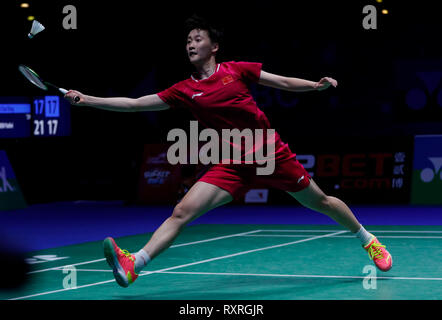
(39, 127)
(46, 112)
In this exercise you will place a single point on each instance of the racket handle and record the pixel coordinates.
(64, 91)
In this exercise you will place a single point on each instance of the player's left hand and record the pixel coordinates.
(325, 82)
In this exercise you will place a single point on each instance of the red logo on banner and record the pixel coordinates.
(357, 170)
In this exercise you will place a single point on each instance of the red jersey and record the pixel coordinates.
(224, 101)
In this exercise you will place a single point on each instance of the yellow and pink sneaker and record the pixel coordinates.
(121, 262)
(380, 256)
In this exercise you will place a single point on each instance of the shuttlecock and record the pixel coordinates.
(36, 28)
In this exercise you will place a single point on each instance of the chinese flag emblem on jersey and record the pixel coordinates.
(227, 79)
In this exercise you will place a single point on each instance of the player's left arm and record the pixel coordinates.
(294, 84)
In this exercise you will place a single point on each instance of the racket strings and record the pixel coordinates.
(32, 77)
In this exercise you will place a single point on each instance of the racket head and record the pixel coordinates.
(32, 77)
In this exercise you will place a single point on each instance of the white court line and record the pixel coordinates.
(61, 290)
(377, 231)
(404, 231)
(217, 238)
(89, 270)
(102, 270)
(66, 266)
(187, 265)
(233, 235)
(296, 275)
(294, 230)
(250, 251)
(173, 246)
(354, 237)
(244, 233)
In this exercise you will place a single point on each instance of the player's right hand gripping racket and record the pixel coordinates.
(35, 79)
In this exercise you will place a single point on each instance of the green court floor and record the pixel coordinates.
(249, 262)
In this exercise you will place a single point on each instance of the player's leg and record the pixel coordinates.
(201, 198)
(314, 198)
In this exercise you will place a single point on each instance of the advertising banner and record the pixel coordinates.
(359, 170)
(159, 181)
(11, 196)
(427, 173)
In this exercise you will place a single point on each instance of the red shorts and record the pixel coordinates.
(289, 175)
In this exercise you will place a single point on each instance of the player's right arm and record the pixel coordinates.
(150, 102)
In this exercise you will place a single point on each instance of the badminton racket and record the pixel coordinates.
(35, 79)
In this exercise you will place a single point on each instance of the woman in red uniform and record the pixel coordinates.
(218, 96)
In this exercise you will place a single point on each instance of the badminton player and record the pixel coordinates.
(218, 96)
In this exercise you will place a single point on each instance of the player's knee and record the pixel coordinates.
(183, 213)
(323, 204)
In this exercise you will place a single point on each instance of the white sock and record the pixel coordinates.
(364, 236)
(141, 260)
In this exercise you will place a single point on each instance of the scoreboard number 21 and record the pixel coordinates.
(47, 112)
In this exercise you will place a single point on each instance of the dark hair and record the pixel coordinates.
(197, 22)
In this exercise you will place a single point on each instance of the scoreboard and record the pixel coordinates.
(39, 116)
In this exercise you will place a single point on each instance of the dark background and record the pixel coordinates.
(137, 48)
